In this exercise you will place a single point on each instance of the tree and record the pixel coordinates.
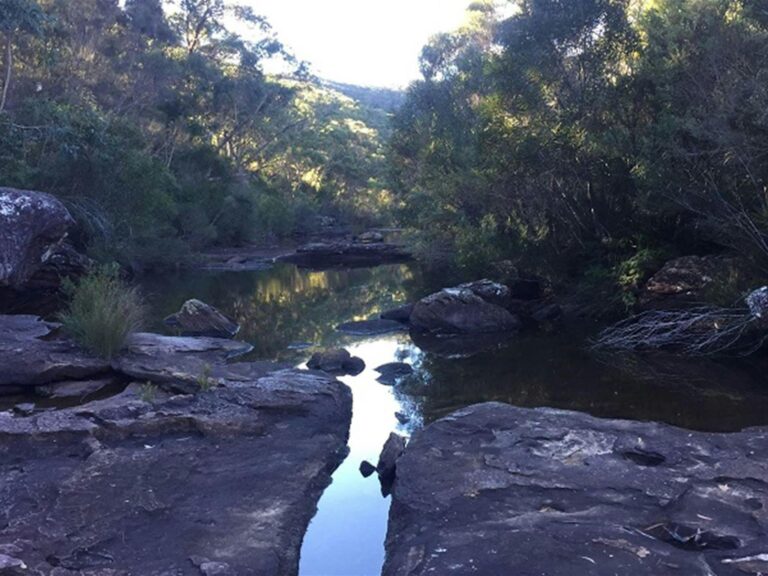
(16, 16)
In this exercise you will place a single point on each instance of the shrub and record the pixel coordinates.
(102, 311)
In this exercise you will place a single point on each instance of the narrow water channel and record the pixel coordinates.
(287, 313)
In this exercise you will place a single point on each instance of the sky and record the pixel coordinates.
(365, 42)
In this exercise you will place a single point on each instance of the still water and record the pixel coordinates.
(287, 313)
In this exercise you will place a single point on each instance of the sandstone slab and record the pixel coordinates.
(494, 489)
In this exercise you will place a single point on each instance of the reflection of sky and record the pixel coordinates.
(346, 538)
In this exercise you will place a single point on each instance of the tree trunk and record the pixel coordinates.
(8, 69)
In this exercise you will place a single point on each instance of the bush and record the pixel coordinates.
(102, 311)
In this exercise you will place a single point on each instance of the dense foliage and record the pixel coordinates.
(590, 137)
(159, 128)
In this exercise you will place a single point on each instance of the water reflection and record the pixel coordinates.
(286, 312)
(283, 309)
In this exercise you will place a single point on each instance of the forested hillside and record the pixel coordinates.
(157, 125)
(590, 138)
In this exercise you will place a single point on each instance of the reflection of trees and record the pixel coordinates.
(285, 305)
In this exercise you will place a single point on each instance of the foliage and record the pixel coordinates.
(163, 134)
(597, 134)
(148, 392)
(102, 311)
(204, 380)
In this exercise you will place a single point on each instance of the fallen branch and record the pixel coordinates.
(703, 331)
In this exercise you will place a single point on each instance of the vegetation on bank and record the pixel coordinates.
(589, 140)
(102, 311)
(157, 125)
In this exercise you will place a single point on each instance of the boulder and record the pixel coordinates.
(491, 292)
(33, 354)
(230, 477)
(684, 281)
(197, 318)
(336, 361)
(401, 314)
(552, 492)
(32, 225)
(373, 327)
(462, 311)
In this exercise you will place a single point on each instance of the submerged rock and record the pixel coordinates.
(336, 361)
(321, 255)
(494, 489)
(401, 314)
(371, 327)
(230, 477)
(197, 318)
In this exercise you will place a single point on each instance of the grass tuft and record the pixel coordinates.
(102, 311)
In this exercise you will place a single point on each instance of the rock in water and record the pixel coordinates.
(462, 311)
(226, 480)
(393, 372)
(366, 468)
(32, 224)
(336, 361)
(197, 318)
(387, 465)
(373, 327)
(494, 489)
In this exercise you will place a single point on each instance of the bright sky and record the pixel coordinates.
(365, 42)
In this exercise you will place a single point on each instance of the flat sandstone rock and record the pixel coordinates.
(494, 489)
(226, 480)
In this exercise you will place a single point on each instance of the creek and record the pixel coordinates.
(287, 313)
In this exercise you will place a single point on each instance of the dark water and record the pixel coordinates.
(286, 313)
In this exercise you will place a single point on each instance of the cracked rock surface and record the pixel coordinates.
(218, 482)
(494, 489)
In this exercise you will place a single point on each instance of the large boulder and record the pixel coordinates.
(221, 482)
(467, 309)
(196, 318)
(32, 225)
(495, 489)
